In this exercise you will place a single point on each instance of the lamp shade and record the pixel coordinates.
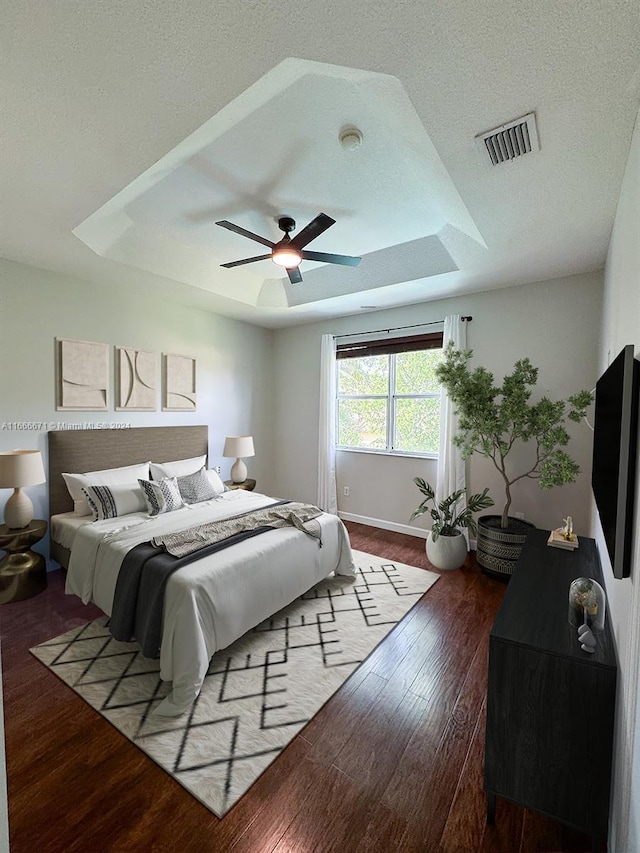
(20, 468)
(238, 446)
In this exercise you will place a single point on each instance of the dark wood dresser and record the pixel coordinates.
(550, 705)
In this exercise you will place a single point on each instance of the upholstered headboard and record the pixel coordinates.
(77, 451)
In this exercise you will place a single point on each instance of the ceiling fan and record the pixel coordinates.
(289, 251)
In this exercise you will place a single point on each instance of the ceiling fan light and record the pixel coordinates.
(286, 257)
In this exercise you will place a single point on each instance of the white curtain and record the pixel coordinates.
(451, 466)
(327, 495)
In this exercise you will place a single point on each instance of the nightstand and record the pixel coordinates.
(248, 484)
(23, 572)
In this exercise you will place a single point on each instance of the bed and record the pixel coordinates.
(210, 602)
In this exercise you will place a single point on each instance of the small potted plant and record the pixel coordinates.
(446, 544)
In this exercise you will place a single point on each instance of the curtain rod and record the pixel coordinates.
(399, 328)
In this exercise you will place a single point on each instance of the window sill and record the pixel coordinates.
(392, 453)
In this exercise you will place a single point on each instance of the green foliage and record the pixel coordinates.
(363, 423)
(445, 519)
(493, 418)
(416, 372)
(368, 374)
(417, 425)
(363, 399)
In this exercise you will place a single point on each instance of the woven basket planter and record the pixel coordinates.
(498, 548)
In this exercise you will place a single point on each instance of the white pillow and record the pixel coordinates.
(214, 478)
(161, 495)
(107, 477)
(180, 468)
(113, 501)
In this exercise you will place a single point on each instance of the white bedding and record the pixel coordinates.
(65, 525)
(213, 601)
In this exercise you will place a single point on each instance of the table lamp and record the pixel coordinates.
(19, 468)
(238, 446)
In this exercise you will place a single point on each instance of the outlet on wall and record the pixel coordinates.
(346, 491)
(518, 515)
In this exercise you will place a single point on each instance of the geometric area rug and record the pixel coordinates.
(258, 693)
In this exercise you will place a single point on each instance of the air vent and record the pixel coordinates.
(509, 141)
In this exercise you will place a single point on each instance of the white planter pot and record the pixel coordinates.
(447, 552)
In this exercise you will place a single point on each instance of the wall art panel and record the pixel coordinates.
(136, 380)
(82, 376)
(179, 373)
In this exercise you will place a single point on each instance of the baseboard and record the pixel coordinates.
(385, 525)
(392, 525)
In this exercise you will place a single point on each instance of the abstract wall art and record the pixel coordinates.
(82, 376)
(179, 386)
(136, 380)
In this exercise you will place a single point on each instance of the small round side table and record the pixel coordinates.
(248, 484)
(23, 572)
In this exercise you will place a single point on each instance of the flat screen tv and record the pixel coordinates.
(614, 456)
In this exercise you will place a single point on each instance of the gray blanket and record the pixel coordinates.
(302, 516)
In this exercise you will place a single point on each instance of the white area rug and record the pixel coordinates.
(258, 693)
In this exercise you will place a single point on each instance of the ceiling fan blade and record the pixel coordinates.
(238, 230)
(246, 261)
(345, 260)
(314, 229)
(295, 276)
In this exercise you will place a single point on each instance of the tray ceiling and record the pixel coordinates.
(275, 151)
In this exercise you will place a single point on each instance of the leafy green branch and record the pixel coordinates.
(493, 418)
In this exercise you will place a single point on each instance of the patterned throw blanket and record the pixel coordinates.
(302, 516)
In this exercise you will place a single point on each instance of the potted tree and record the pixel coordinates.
(446, 544)
(493, 419)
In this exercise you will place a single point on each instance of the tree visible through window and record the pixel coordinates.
(388, 395)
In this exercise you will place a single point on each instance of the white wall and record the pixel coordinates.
(621, 326)
(555, 323)
(234, 363)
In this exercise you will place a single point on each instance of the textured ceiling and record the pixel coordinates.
(275, 151)
(137, 124)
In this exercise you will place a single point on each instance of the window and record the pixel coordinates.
(388, 396)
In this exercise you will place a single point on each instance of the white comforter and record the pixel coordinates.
(213, 601)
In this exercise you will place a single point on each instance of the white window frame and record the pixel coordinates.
(391, 398)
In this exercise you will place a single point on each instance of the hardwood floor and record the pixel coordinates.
(393, 762)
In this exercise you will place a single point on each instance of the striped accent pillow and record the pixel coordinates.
(113, 501)
(161, 495)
